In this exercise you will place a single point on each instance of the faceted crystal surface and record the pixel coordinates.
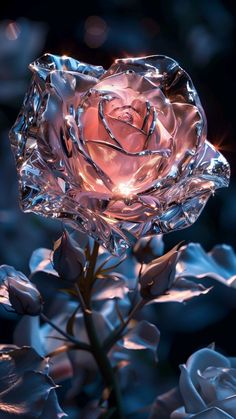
(118, 154)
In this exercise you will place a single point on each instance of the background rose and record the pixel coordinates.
(119, 153)
(208, 387)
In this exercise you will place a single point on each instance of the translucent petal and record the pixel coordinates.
(118, 154)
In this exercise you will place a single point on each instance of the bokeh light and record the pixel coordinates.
(95, 31)
(12, 31)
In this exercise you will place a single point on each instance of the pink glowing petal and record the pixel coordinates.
(164, 109)
(93, 128)
(130, 138)
(160, 138)
(138, 171)
(133, 113)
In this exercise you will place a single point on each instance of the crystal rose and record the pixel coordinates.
(208, 387)
(120, 153)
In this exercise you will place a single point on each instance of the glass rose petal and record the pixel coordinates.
(118, 154)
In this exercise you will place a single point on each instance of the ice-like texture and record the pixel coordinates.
(118, 154)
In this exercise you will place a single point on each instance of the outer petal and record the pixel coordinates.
(48, 62)
(185, 196)
(211, 413)
(228, 405)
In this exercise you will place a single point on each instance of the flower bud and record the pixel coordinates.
(68, 259)
(148, 248)
(18, 292)
(159, 275)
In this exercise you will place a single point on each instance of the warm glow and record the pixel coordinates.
(126, 55)
(221, 145)
(124, 189)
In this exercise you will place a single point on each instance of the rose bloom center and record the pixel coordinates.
(125, 114)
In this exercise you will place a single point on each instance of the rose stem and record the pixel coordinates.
(100, 356)
(117, 333)
(79, 345)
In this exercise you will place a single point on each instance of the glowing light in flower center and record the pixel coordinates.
(124, 189)
(126, 116)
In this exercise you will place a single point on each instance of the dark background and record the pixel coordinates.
(200, 35)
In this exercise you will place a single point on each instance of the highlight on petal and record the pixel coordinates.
(182, 290)
(143, 336)
(228, 404)
(41, 261)
(112, 286)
